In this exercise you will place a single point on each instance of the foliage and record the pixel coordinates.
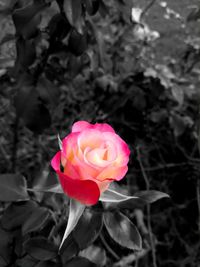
(62, 61)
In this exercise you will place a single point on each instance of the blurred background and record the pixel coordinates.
(133, 64)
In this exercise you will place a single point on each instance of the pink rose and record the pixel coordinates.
(92, 156)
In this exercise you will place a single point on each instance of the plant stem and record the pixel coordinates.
(109, 248)
(149, 5)
(15, 143)
(153, 250)
(198, 202)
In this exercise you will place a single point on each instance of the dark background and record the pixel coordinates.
(141, 78)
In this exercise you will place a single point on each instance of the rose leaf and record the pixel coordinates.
(122, 230)
(88, 228)
(151, 196)
(13, 188)
(115, 197)
(76, 209)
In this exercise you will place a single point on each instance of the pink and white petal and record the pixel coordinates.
(112, 173)
(103, 127)
(68, 169)
(87, 192)
(69, 145)
(95, 157)
(84, 170)
(112, 151)
(90, 138)
(71, 171)
(55, 162)
(122, 148)
(80, 126)
(104, 185)
(63, 159)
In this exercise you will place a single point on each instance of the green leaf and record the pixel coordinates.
(178, 124)
(73, 12)
(79, 261)
(29, 107)
(26, 261)
(151, 195)
(76, 209)
(75, 65)
(130, 204)
(143, 197)
(5, 63)
(99, 40)
(37, 119)
(103, 9)
(7, 7)
(46, 264)
(46, 181)
(92, 6)
(26, 19)
(52, 189)
(88, 228)
(22, 100)
(94, 254)
(198, 135)
(15, 215)
(77, 42)
(48, 92)
(13, 187)
(122, 230)
(194, 14)
(40, 248)
(3, 262)
(178, 94)
(69, 249)
(58, 27)
(7, 38)
(115, 197)
(5, 252)
(26, 54)
(36, 220)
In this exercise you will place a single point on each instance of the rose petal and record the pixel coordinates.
(80, 126)
(55, 162)
(85, 191)
(69, 145)
(90, 138)
(123, 151)
(112, 173)
(95, 157)
(103, 127)
(103, 186)
(111, 150)
(84, 170)
(70, 171)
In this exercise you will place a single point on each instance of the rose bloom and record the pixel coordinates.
(92, 156)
